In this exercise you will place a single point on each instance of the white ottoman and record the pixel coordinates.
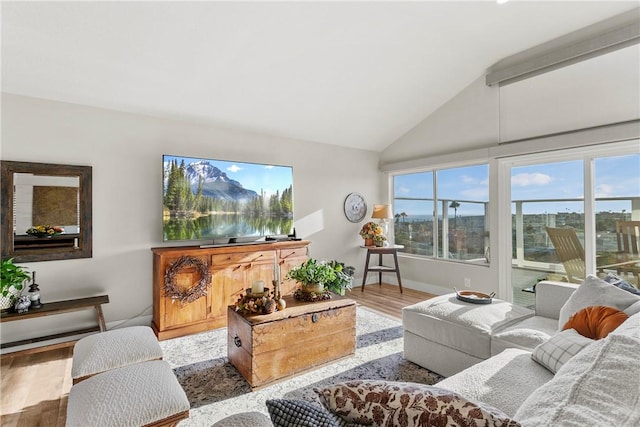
(446, 335)
(144, 394)
(113, 349)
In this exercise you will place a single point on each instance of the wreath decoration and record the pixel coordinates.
(192, 293)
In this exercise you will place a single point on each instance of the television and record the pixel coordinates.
(225, 202)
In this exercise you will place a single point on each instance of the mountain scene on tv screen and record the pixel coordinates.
(201, 201)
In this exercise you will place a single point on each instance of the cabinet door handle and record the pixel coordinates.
(314, 317)
(257, 258)
(237, 341)
(287, 256)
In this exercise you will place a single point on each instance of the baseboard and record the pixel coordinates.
(409, 284)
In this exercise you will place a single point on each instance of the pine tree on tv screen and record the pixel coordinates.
(205, 199)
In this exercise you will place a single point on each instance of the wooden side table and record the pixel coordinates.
(381, 268)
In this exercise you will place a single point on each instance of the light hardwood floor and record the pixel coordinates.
(35, 386)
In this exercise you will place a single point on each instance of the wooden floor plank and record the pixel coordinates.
(386, 298)
(35, 385)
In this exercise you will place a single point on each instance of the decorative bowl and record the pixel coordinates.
(474, 297)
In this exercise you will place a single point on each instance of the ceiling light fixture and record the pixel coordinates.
(501, 1)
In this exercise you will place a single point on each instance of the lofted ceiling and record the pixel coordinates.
(355, 74)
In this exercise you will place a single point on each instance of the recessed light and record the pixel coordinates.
(501, 1)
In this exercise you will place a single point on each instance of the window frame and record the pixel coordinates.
(436, 240)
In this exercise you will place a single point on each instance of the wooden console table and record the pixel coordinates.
(58, 307)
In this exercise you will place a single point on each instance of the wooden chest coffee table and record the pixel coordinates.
(306, 335)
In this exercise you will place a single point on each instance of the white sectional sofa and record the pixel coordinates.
(506, 366)
(599, 385)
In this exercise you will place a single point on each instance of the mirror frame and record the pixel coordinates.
(84, 173)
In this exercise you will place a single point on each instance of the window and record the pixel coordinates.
(443, 213)
(544, 195)
(584, 191)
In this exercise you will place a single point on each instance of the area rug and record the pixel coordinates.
(216, 389)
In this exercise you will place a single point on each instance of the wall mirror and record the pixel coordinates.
(46, 211)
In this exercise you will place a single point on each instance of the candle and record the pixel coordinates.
(257, 287)
(276, 271)
(276, 279)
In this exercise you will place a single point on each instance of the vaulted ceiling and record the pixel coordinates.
(355, 74)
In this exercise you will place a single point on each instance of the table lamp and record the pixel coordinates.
(383, 213)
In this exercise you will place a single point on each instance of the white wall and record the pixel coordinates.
(599, 91)
(125, 151)
(469, 127)
(467, 121)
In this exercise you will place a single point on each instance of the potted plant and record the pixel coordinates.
(12, 277)
(315, 276)
(379, 239)
(369, 231)
(344, 277)
(45, 230)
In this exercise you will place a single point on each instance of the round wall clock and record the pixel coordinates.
(355, 208)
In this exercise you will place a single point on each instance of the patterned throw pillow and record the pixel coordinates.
(300, 413)
(387, 403)
(561, 347)
(596, 322)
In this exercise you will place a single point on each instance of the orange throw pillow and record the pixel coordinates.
(596, 322)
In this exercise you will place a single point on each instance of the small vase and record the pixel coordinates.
(368, 242)
(317, 288)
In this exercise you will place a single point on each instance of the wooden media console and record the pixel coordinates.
(232, 270)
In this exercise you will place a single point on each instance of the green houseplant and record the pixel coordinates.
(318, 275)
(11, 278)
(344, 277)
(379, 240)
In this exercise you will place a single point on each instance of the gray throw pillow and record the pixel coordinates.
(621, 283)
(300, 413)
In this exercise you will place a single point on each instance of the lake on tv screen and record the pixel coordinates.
(224, 225)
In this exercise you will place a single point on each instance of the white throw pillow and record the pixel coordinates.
(597, 387)
(561, 347)
(630, 327)
(595, 291)
(633, 309)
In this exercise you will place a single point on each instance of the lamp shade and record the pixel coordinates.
(382, 211)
